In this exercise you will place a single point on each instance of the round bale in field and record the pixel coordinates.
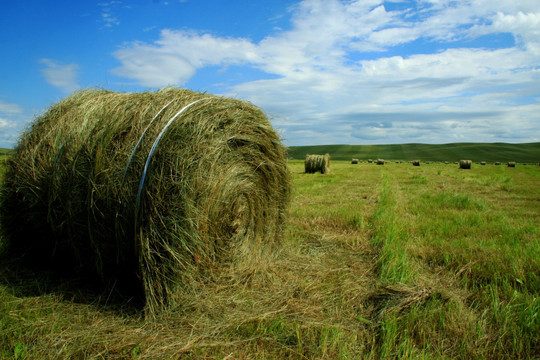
(317, 163)
(511, 164)
(147, 192)
(465, 164)
(354, 161)
(380, 162)
(416, 162)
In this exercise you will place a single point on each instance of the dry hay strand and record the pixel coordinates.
(148, 191)
(380, 161)
(317, 163)
(354, 161)
(465, 164)
(416, 162)
(511, 164)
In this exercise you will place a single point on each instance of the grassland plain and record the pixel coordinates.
(394, 261)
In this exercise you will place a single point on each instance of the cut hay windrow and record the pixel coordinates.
(317, 163)
(465, 164)
(146, 191)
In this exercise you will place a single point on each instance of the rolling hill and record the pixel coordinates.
(524, 153)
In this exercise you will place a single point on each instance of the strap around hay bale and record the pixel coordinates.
(151, 153)
(142, 136)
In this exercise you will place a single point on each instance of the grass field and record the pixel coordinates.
(378, 262)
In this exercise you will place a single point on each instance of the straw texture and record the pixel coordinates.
(149, 191)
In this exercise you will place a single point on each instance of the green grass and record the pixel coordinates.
(491, 152)
(378, 262)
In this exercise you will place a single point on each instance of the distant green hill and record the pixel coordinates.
(5, 151)
(524, 153)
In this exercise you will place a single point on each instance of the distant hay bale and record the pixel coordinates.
(370, 161)
(416, 162)
(446, 162)
(465, 164)
(482, 163)
(317, 163)
(354, 161)
(497, 163)
(511, 164)
(380, 161)
(146, 191)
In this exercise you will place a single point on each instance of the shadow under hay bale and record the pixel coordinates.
(465, 164)
(149, 191)
(317, 163)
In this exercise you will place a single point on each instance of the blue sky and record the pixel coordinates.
(325, 71)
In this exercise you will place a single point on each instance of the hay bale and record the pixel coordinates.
(317, 163)
(148, 191)
(465, 164)
(482, 163)
(416, 162)
(370, 161)
(497, 163)
(511, 164)
(380, 161)
(354, 161)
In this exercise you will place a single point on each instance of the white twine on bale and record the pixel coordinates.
(151, 153)
(140, 139)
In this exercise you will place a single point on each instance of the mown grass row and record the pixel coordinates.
(379, 262)
(466, 245)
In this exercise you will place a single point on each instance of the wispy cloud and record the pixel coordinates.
(107, 13)
(12, 116)
(9, 108)
(333, 81)
(61, 76)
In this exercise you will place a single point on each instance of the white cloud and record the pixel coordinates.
(9, 108)
(325, 92)
(107, 16)
(168, 63)
(63, 77)
(12, 118)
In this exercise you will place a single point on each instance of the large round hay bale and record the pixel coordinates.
(465, 164)
(317, 163)
(482, 163)
(149, 191)
(380, 162)
(511, 164)
(416, 162)
(354, 161)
